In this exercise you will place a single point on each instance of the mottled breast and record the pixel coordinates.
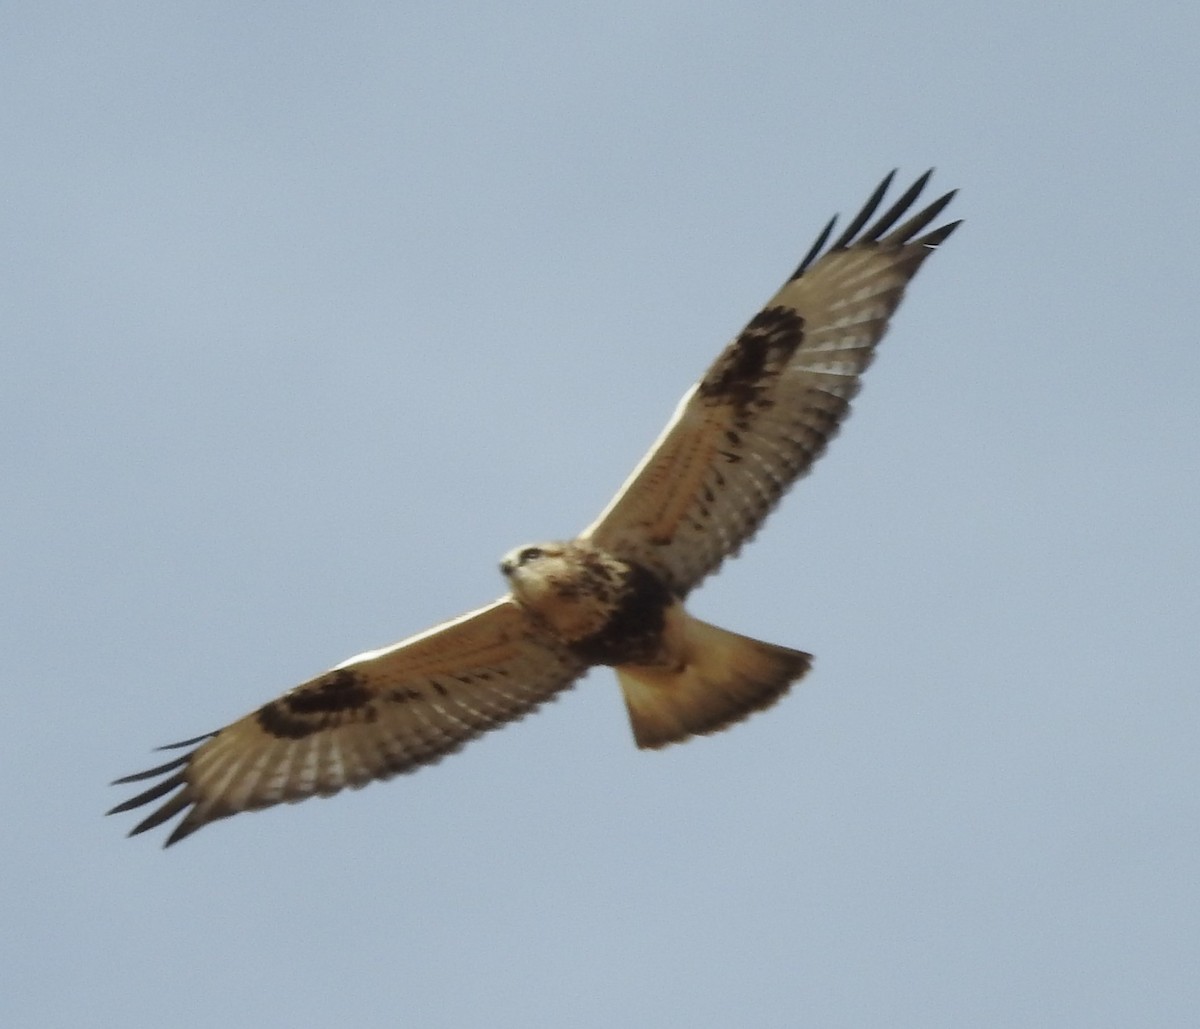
(605, 610)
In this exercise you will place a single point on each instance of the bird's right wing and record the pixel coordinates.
(377, 714)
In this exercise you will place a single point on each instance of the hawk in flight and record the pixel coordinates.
(614, 595)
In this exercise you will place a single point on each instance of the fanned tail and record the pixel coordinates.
(725, 678)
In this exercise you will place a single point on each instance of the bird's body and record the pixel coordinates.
(680, 676)
(614, 595)
(605, 610)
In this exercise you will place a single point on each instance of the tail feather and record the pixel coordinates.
(723, 679)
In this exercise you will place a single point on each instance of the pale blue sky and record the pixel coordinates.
(311, 311)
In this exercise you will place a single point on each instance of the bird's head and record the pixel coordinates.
(530, 560)
(540, 573)
(567, 586)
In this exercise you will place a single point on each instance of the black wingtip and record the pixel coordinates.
(156, 818)
(174, 804)
(814, 249)
(181, 832)
(918, 221)
(856, 232)
(939, 236)
(851, 230)
(868, 209)
(170, 766)
(187, 743)
(894, 213)
(153, 793)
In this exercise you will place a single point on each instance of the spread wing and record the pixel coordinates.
(769, 405)
(380, 713)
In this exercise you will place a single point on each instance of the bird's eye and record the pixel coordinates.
(529, 554)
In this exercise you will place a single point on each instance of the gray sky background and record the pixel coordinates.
(311, 311)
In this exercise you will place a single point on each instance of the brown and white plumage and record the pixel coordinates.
(759, 418)
(768, 406)
(373, 716)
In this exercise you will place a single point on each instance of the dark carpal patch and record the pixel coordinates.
(317, 705)
(633, 633)
(758, 354)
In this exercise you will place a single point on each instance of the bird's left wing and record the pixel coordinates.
(377, 714)
(773, 399)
